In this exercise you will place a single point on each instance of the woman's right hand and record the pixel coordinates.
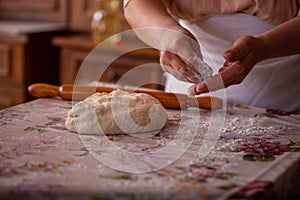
(180, 53)
(180, 56)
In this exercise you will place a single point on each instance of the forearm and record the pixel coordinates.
(282, 40)
(154, 25)
(149, 13)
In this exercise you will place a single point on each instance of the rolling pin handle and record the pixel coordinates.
(43, 90)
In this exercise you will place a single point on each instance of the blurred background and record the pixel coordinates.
(46, 42)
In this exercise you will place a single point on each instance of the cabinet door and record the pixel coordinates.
(52, 10)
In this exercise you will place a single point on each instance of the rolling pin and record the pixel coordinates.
(168, 100)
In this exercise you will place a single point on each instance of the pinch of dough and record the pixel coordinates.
(116, 113)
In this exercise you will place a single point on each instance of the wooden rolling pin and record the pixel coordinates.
(168, 100)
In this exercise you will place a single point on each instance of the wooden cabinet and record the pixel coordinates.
(11, 70)
(76, 14)
(32, 56)
(22, 63)
(49, 10)
(75, 49)
(26, 52)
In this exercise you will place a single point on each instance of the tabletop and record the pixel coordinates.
(238, 152)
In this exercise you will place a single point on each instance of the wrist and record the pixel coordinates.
(264, 48)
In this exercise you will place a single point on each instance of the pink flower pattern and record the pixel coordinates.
(263, 148)
(202, 172)
(254, 189)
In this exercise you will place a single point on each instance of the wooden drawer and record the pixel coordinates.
(5, 61)
(128, 69)
(11, 63)
(26, 59)
(135, 71)
(12, 60)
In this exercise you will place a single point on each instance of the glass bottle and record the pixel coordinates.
(105, 21)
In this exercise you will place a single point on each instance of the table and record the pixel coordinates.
(255, 154)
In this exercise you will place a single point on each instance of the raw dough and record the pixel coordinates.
(117, 112)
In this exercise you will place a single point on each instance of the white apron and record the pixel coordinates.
(273, 83)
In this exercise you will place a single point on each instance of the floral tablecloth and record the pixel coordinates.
(255, 155)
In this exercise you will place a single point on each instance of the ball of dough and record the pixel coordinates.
(117, 112)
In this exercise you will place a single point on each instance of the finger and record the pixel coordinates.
(188, 50)
(199, 88)
(164, 58)
(185, 72)
(240, 49)
(209, 85)
(228, 76)
(168, 62)
(175, 73)
(227, 65)
(172, 64)
(186, 69)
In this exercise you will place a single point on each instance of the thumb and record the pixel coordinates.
(240, 49)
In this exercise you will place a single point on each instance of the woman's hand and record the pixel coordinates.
(240, 59)
(180, 53)
(181, 57)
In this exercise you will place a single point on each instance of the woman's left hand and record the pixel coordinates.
(240, 59)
